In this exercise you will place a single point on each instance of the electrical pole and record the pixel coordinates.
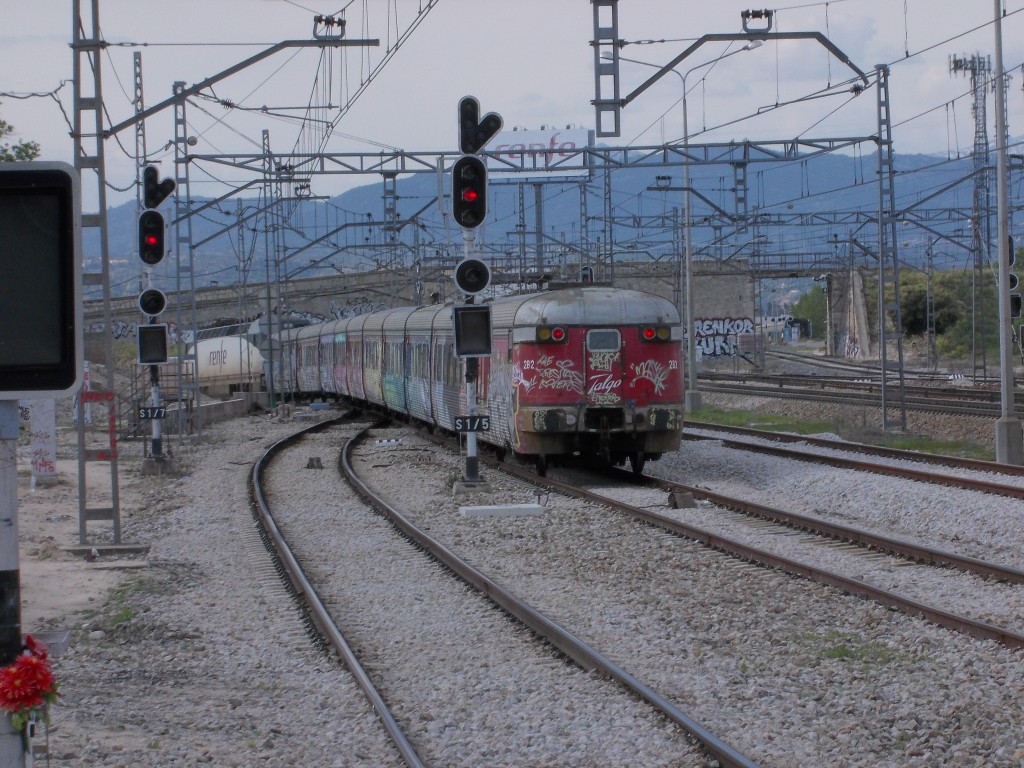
(1009, 439)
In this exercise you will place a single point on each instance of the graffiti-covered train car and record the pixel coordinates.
(585, 370)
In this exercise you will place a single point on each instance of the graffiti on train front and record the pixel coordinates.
(654, 372)
(548, 373)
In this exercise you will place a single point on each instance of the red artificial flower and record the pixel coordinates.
(27, 683)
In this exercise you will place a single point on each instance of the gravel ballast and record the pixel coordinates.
(204, 659)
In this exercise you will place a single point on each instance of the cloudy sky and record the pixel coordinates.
(529, 60)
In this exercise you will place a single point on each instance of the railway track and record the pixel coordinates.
(862, 394)
(309, 598)
(902, 471)
(918, 457)
(411, 579)
(654, 603)
(724, 540)
(902, 550)
(942, 393)
(1004, 629)
(847, 369)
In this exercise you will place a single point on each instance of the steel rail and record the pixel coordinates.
(311, 601)
(869, 450)
(919, 475)
(977, 629)
(877, 542)
(986, 410)
(866, 368)
(570, 645)
(861, 383)
(862, 369)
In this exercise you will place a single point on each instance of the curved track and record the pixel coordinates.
(310, 601)
(659, 604)
(865, 539)
(549, 630)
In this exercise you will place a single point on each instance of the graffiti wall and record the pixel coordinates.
(722, 336)
(41, 416)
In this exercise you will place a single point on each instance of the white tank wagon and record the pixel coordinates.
(228, 364)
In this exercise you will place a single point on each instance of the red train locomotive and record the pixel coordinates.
(588, 370)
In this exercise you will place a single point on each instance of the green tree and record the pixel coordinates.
(947, 301)
(973, 330)
(960, 332)
(811, 306)
(23, 150)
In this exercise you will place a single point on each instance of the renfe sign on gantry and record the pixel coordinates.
(546, 150)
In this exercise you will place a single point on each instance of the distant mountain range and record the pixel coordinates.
(794, 207)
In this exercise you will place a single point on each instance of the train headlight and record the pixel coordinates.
(570, 419)
(553, 334)
(655, 333)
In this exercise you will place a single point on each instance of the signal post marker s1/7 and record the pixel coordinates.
(152, 336)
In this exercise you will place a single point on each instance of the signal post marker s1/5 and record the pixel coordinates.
(472, 324)
(478, 423)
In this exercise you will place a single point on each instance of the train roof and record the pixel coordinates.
(591, 305)
(588, 305)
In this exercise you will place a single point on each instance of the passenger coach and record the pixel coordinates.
(588, 370)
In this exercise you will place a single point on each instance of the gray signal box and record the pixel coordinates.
(41, 289)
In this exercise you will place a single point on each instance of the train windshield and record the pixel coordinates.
(603, 340)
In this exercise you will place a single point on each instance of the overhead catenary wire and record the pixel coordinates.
(311, 140)
(908, 56)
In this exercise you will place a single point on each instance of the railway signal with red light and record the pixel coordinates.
(469, 191)
(151, 237)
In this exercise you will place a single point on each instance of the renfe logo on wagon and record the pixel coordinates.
(546, 150)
